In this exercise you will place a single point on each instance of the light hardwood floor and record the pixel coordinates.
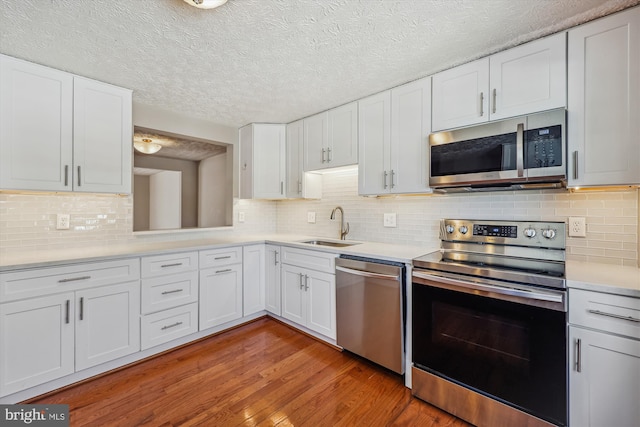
(260, 374)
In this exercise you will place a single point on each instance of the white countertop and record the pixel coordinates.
(606, 278)
(34, 259)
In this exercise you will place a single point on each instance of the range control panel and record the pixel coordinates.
(520, 233)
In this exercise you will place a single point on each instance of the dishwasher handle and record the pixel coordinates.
(367, 273)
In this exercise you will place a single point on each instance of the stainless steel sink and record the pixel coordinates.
(329, 243)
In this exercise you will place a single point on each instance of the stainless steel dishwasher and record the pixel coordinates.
(370, 309)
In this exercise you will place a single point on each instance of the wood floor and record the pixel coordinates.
(261, 374)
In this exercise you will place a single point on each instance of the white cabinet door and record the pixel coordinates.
(299, 184)
(374, 140)
(410, 127)
(604, 379)
(342, 146)
(36, 127)
(320, 289)
(102, 137)
(36, 341)
(528, 78)
(220, 295)
(294, 297)
(107, 323)
(316, 140)
(461, 96)
(272, 280)
(262, 161)
(253, 277)
(604, 101)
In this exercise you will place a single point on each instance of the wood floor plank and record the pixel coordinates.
(261, 374)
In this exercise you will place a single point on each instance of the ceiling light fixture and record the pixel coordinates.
(206, 4)
(146, 146)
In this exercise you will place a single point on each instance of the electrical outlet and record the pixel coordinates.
(577, 227)
(389, 220)
(62, 221)
(311, 217)
(240, 216)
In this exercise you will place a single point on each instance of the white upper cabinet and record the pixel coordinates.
(102, 135)
(604, 101)
(331, 138)
(262, 161)
(392, 137)
(60, 132)
(518, 81)
(299, 184)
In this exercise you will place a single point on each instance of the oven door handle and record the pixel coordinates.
(497, 292)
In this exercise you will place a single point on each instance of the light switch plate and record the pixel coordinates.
(240, 216)
(390, 220)
(311, 217)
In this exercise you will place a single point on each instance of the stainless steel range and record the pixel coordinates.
(490, 323)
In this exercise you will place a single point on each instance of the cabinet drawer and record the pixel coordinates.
(168, 264)
(168, 325)
(320, 261)
(610, 313)
(44, 281)
(217, 257)
(160, 293)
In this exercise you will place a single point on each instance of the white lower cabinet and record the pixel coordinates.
(253, 277)
(272, 280)
(604, 371)
(36, 341)
(167, 325)
(220, 295)
(309, 296)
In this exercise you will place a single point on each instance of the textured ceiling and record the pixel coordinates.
(273, 60)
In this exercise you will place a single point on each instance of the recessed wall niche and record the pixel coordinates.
(187, 184)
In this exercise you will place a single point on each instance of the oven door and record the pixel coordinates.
(504, 348)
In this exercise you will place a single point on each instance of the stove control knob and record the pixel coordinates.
(463, 229)
(530, 232)
(450, 229)
(549, 233)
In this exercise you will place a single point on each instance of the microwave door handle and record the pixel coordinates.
(520, 149)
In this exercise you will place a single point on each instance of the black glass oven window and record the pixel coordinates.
(489, 154)
(543, 147)
(512, 352)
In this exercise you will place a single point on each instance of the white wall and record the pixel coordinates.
(213, 196)
(165, 200)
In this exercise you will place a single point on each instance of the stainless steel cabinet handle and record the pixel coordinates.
(223, 257)
(306, 282)
(299, 187)
(74, 279)
(392, 175)
(66, 175)
(385, 179)
(323, 155)
(282, 187)
(615, 316)
(520, 149)
(66, 317)
(171, 326)
(226, 270)
(575, 165)
(172, 292)
(493, 107)
(79, 180)
(275, 258)
(81, 308)
(481, 104)
(578, 349)
(300, 280)
(329, 155)
(175, 264)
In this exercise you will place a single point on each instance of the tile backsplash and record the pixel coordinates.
(27, 221)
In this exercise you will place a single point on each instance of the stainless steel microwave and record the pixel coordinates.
(517, 153)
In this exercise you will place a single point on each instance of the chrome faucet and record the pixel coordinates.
(343, 230)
